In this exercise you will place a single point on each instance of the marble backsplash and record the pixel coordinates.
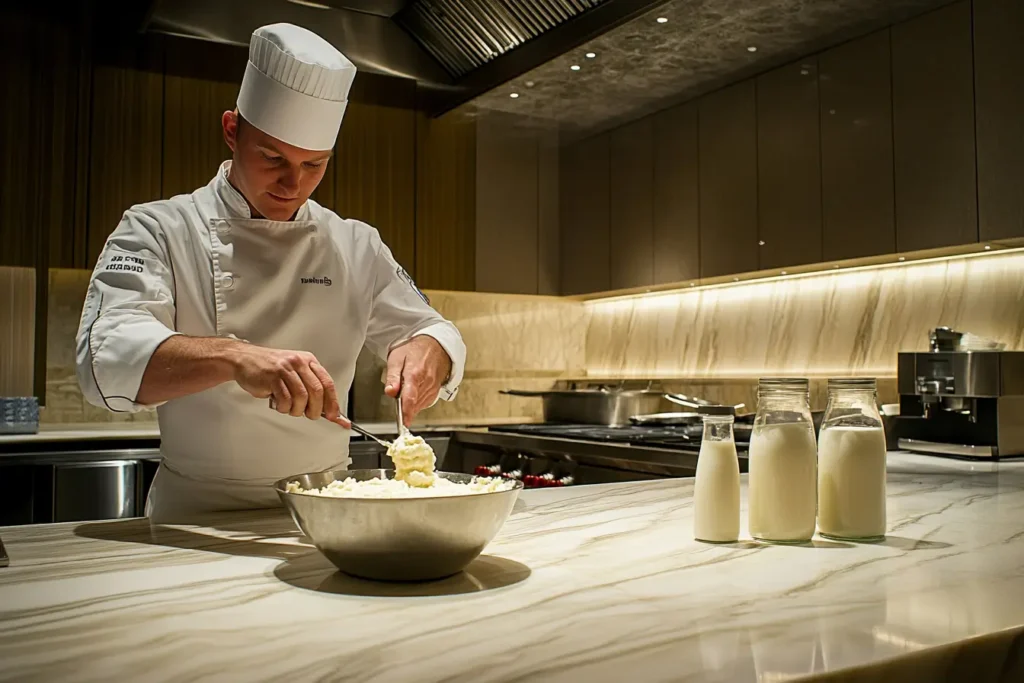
(512, 341)
(713, 342)
(64, 401)
(849, 323)
(525, 342)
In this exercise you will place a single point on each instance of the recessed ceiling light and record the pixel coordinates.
(591, 55)
(988, 247)
(529, 84)
(693, 284)
(513, 95)
(836, 267)
(662, 20)
(783, 272)
(903, 258)
(752, 48)
(575, 67)
(735, 279)
(804, 72)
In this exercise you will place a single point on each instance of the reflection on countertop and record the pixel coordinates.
(596, 583)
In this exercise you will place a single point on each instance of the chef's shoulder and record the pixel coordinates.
(154, 224)
(349, 233)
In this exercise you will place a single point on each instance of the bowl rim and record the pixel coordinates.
(281, 487)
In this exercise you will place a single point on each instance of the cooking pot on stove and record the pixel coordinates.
(611, 407)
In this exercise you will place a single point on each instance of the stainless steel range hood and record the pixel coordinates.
(374, 43)
(454, 49)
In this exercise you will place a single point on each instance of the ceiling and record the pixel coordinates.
(645, 65)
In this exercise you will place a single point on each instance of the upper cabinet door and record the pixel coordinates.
(583, 186)
(728, 181)
(676, 195)
(506, 206)
(856, 149)
(933, 130)
(999, 90)
(789, 166)
(632, 204)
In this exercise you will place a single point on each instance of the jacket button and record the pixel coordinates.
(227, 281)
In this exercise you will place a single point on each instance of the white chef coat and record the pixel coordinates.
(199, 265)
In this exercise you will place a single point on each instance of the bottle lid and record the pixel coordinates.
(787, 384)
(712, 410)
(851, 383)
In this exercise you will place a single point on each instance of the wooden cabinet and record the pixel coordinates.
(933, 130)
(631, 209)
(676, 195)
(506, 206)
(728, 181)
(548, 228)
(44, 78)
(999, 93)
(375, 164)
(445, 200)
(584, 212)
(856, 149)
(201, 84)
(789, 166)
(126, 135)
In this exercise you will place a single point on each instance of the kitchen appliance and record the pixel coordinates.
(44, 482)
(599, 404)
(555, 455)
(960, 402)
(397, 539)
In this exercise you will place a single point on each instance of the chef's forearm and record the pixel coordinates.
(184, 365)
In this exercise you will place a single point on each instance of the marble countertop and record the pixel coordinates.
(594, 583)
(144, 430)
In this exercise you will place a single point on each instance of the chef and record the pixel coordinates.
(246, 294)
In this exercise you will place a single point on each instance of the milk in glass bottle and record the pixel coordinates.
(851, 463)
(716, 491)
(782, 479)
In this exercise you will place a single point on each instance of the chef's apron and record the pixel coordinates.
(279, 285)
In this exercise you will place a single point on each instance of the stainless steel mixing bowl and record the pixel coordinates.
(397, 539)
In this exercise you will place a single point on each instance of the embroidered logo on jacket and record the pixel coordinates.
(316, 281)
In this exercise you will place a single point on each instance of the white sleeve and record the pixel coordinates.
(128, 313)
(401, 311)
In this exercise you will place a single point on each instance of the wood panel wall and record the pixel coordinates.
(91, 127)
(375, 164)
(17, 324)
(445, 202)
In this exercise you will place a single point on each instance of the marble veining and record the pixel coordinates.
(597, 583)
(843, 323)
(644, 66)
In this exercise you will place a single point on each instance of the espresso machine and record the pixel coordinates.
(960, 399)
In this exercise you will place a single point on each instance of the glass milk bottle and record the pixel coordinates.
(851, 463)
(716, 491)
(782, 482)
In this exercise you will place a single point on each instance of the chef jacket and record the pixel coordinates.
(200, 265)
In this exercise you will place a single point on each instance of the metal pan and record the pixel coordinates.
(611, 408)
(665, 419)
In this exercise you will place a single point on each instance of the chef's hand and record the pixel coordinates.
(416, 370)
(294, 381)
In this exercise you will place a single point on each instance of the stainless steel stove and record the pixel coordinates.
(543, 455)
(683, 437)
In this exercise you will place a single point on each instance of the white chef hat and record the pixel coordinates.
(295, 86)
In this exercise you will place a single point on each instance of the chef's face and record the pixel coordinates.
(275, 177)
